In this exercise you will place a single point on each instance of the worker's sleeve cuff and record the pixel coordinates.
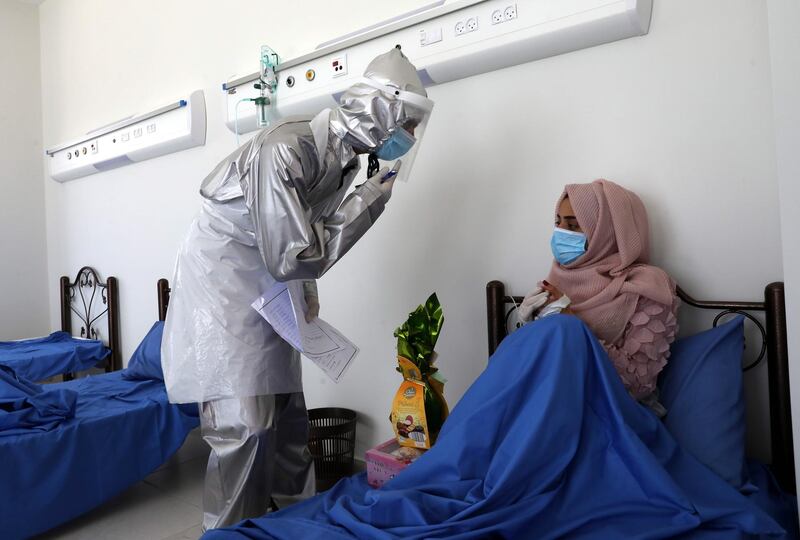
(370, 194)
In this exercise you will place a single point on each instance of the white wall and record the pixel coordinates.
(683, 116)
(784, 17)
(23, 272)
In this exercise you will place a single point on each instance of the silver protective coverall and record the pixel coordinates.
(275, 209)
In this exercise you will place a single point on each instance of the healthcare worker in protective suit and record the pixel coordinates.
(275, 209)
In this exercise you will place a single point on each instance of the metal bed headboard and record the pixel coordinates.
(163, 298)
(86, 287)
(774, 347)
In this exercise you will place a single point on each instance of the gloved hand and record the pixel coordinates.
(555, 307)
(311, 296)
(312, 305)
(385, 187)
(533, 301)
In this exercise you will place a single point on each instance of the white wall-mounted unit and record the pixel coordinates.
(168, 129)
(447, 41)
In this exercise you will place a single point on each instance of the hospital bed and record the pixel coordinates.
(564, 452)
(122, 431)
(773, 347)
(61, 353)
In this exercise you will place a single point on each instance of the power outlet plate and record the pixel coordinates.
(466, 26)
(510, 12)
(339, 66)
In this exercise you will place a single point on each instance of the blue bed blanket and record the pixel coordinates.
(545, 444)
(25, 406)
(121, 432)
(39, 358)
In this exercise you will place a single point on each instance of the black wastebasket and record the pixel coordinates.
(332, 442)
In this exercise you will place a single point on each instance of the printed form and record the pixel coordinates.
(284, 307)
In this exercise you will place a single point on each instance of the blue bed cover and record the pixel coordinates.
(545, 444)
(39, 358)
(122, 431)
(27, 406)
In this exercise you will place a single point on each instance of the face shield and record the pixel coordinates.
(398, 150)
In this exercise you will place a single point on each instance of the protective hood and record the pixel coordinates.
(390, 95)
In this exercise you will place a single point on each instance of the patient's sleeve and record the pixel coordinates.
(643, 351)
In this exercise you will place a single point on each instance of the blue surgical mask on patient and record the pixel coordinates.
(397, 145)
(567, 245)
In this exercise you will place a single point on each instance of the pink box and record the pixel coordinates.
(386, 460)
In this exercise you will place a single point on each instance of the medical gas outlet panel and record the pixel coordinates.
(446, 41)
(174, 127)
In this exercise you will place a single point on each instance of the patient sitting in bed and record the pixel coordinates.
(600, 275)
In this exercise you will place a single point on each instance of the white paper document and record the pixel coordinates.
(284, 307)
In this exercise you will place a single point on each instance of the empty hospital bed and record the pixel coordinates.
(61, 353)
(123, 429)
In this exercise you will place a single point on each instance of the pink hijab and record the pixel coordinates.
(606, 282)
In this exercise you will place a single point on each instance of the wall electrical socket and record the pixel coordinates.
(506, 14)
(339, 65)
(467, 26)
(510, 12)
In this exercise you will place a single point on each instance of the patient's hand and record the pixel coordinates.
(553, 292)
(532, 303)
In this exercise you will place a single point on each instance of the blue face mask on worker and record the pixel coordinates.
(397, 145)
(567, 245)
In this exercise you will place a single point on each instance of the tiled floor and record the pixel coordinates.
(167, 505)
